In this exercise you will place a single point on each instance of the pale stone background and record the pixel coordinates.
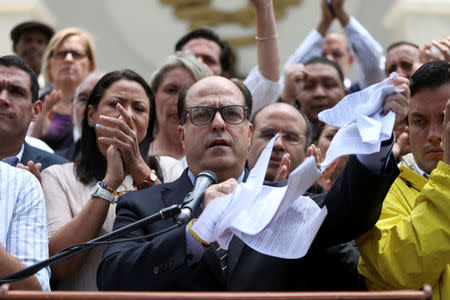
(139, 34)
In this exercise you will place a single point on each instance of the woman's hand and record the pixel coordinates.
(115, 173)
(42, 124)
(121, 133)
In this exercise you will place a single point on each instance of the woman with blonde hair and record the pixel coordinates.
(68, 59)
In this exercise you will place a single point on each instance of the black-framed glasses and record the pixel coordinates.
(63, 54)
(202, 115)
(287, 136)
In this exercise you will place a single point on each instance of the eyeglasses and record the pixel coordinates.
(288, 136)
(202, 115)
(63, 54)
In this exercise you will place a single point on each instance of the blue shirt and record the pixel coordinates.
(23, 222)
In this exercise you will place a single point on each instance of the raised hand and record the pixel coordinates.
(284, 169)
(42, 124)
(398, 102)
(121, 133)
(294, 77)
(442, 47)
(326, 18)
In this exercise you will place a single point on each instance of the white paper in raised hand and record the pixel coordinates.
(277, 221)
(363, 125)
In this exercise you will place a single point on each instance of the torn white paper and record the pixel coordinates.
(276, 221)
(363, 125)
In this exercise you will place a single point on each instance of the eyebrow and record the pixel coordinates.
(121, 99)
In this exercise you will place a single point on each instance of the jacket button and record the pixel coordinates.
(189, 256)
(156, 270)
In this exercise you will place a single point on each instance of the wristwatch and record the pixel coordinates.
(147, 182)
(99, 191)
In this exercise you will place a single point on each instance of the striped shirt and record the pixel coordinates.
(23, 222)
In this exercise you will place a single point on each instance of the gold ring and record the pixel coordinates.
(220, 187)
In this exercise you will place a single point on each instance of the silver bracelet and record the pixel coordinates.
(266, 38)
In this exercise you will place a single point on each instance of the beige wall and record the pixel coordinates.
(140, 33)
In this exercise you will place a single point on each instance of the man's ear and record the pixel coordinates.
(181, 135)
(250, 131)
(37, 109)
(14, 48)
(351, 59)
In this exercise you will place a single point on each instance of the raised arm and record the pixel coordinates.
(267, 40)
(368, 52)
(263, 80)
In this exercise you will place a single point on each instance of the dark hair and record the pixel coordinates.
(430, 75)
(15, 61)
(309, 132)
(208, 34)
(181, 105)
(92, 164)
(401, 43)
(325, 61)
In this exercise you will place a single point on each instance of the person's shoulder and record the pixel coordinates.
(45, 158)
(19, 179)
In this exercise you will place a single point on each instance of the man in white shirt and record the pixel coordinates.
(23, 227)
(342, 48)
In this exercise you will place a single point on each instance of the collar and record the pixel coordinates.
(421, 172)
(192, 177)
(14, 160)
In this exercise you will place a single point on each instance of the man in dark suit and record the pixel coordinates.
(19, 105)
(215, 133)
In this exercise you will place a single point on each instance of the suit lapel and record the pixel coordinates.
(28, 155)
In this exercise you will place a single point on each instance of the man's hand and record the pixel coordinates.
(284, 169)
(442, 46)
(398, 102)
(294, 78)
(219, 190)
(338, 11)
(35, 169)
(326, 19)
(446, 134)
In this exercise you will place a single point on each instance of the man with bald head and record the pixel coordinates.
(215, 132)
(402, 57)
(289, 149)
(342, 47)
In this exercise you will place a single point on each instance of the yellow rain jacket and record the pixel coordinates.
(410, 244)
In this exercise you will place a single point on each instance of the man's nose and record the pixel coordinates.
(435, 132)
(319, 91)
(217, 122)
(279, 143)
(4, 98)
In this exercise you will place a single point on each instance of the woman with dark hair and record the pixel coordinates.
(117, 130)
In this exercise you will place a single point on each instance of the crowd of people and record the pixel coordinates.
(85, 152)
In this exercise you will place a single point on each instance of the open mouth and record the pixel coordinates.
(218, 142)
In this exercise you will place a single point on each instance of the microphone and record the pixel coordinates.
(195, 197)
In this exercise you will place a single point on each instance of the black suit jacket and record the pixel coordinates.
(37, 155)
(354, 204)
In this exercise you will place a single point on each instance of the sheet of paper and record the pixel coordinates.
(262, 215)
(363, 125)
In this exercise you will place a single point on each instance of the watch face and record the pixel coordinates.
(153, 177)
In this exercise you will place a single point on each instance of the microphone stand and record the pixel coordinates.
(33, 269)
